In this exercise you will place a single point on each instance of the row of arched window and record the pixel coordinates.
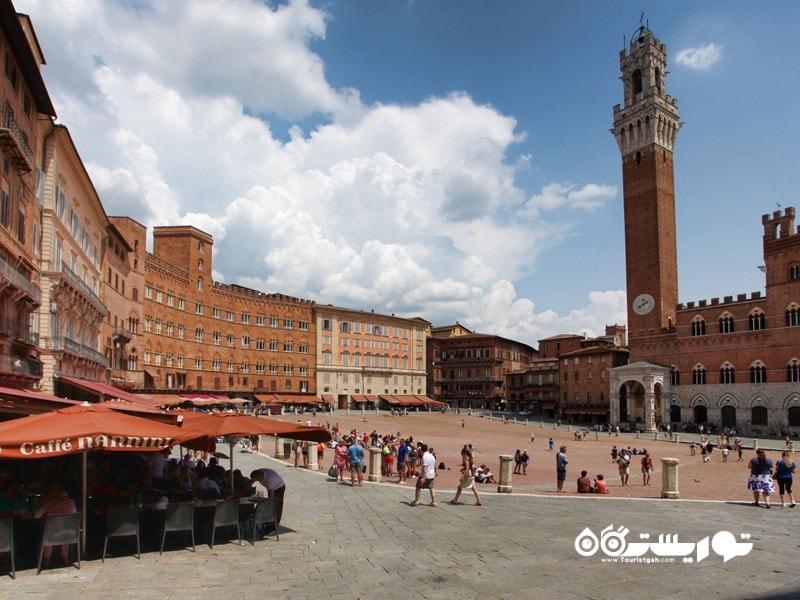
(756, 373)
(756, 321)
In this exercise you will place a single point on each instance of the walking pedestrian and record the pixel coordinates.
(784, 471)
(551, 444)
(760, 480)
(427, 474)
(647, 468)
(467, 481)
(518, 462)
(623, 465)
(526, 460)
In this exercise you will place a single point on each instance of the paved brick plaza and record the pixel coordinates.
(697, 481)
(339, 542)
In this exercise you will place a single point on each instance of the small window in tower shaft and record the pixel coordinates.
(636, 82)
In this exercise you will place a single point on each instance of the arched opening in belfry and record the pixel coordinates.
(636, 82)
(658, 81)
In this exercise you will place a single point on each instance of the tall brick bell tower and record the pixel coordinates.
(646, 127)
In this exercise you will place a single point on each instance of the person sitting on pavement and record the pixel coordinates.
(600, 486)
(584, 485)
(484, 475)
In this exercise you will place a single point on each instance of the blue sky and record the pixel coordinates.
(446, 159)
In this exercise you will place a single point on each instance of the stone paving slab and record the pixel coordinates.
(364, 543)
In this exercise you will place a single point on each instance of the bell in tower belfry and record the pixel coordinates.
(646, 127)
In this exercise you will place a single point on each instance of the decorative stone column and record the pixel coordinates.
(374, 467)
(669, 478)
(312, 464)
(504, 479)
(279, 448)
(649, 410)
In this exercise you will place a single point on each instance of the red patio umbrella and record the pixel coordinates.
(83, 428)
(233, 425)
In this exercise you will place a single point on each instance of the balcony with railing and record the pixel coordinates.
(15, 142)
(122, 335)
(18, 367)
(18, 331)
(77, 283)
(20, 281)
(75, 348)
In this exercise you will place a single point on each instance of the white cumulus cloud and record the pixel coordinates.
(700, 58)
(409, 209)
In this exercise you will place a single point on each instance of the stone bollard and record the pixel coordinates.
(637, 434)
(541, 424)
(504, 479)
(374, 467)
(655, 435)
(676, 437)
(669, 478)
(279, 448)
(555, 425)
(312, 464)
(596, 436)
(755, 445)
(790, 447)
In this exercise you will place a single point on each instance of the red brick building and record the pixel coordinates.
(730, 362)
(204, 335)
(469, 370)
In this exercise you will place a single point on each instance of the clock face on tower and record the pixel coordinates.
(643, 304)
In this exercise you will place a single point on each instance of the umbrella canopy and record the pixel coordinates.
(86, 427)
(236, 424)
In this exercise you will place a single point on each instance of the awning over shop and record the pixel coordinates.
(328, 398)
(410, 400)
(288, 399)
(193, 399)
(364, 398)
(30, 402)
(151, 372)
(105, 391)
(585, 410)
(547, 405)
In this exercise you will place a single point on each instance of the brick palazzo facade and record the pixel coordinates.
(468, 370)
(733, 362)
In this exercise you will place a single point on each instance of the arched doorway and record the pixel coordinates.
(674, 413)
(700, 414)
(729, 416)
(623, 404)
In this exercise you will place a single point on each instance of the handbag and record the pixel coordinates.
(333, 471)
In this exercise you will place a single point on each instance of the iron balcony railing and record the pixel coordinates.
(12, 132)
(19, 331)
(76, 348)
(18, 365)
(78, 283)
(19, 280)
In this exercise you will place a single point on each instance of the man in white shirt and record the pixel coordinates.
(427, 473)
(276, 487)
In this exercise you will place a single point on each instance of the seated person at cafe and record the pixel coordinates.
(584, 485)
(214, 470)
(205, 488)
(600, 484)
(56, 502)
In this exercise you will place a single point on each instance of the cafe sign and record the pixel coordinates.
(72, 445)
